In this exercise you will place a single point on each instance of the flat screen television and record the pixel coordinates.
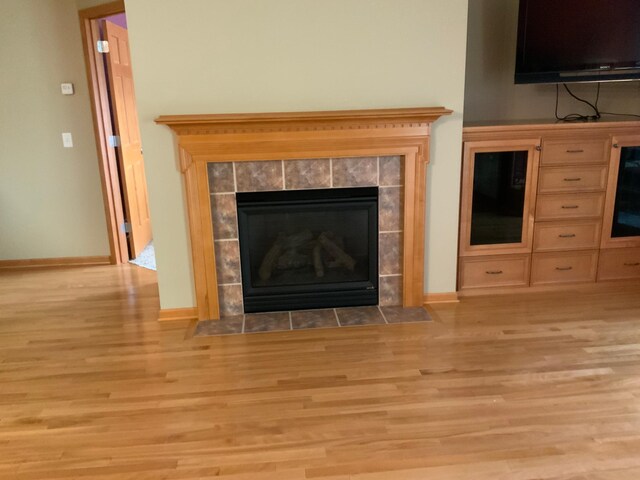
(578, 41)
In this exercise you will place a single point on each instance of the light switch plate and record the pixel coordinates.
(67, 88)
(67, 140)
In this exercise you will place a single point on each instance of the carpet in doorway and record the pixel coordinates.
(147, 258)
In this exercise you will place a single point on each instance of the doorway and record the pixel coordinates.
(121, 159)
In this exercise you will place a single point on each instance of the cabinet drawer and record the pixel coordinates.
(494, 271)
(566, 235)
(572, 179)
(578, 152)
(619, 263)
(565, 267)
(570, 205)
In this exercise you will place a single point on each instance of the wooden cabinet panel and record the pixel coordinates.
(565, 235)
(564, 267)
(572, 179)
(619, 263)
(570, 205)
(494, 271)
(574, 152)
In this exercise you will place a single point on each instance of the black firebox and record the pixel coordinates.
(306, 249)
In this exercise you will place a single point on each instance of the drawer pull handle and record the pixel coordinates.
(579, 150)
(567, 235)
(493, 272)
(570, 206)
(564, 269)
(631, 264)
(574, 179)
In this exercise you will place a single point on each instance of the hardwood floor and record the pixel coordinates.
(524, 387)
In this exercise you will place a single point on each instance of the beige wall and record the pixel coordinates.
(50, 196)
(215, 56)
(490, 93)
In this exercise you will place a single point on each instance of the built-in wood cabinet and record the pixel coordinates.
(549, 204)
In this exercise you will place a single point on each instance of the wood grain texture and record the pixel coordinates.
(174, 314)
(125, 122)
(567, 206)
(494, 271)
(101, 115)
(495, 388)
(55, 262)
(566, 235)
(585, 178)
(564, 267)
(303, 135)
(444, 297)
(619, 263)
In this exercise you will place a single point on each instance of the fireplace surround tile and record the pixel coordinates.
(391, 171)
(405, 314)
(384, 172)
(353, 316)
(266, 322)
(230, 300)
(310, 319)
(221, 177)
(355, 172)
(225, 326)
(225, 222)
(390, 204)
(259, 176)
(303, 319)
(309, 173)
(228, 261)
(390, 290)
(390, 253)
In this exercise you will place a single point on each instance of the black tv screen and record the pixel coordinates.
(578, 41)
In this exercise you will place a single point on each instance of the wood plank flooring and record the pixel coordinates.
(519, 387)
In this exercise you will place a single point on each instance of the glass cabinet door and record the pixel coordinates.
(622, 218)
(496, 206)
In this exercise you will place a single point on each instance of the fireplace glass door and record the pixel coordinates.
(308, 248)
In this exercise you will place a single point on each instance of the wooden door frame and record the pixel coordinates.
(101, 113)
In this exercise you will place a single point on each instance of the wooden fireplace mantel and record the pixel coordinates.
(298, 135)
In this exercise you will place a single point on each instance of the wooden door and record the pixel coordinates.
(125, 117)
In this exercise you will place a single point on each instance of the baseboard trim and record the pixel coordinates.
(56, 262)
(446, 297)
(173, 314)
(595, 287)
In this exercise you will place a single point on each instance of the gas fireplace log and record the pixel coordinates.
(296, 240)
(338, 253)
(292, 259)
(270, 259)
(317, 260)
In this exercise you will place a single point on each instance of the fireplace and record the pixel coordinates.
(305, 249)
(222, 155)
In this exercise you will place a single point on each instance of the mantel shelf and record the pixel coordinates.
(303, 120)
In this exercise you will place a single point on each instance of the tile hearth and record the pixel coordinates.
(309, 319)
